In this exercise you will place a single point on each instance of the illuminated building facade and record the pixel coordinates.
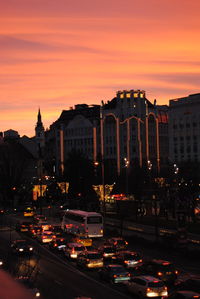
(123, 129)
(184, 129)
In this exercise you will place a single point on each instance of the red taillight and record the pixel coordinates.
(159, 274)
(176, 272)
(126, 262)
(114, 275)
(73, 251)
(126, 243)
(140, 261)
(55, 245)
(129, 274)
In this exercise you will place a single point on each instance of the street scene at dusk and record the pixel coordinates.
(99, 149)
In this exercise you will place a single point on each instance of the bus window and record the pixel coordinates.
(94, 219)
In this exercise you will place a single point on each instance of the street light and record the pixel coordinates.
(126, 161)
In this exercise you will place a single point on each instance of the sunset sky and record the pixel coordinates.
(55, 54)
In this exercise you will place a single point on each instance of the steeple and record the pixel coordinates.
(39, 131)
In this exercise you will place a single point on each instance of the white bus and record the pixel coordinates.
(89, 223)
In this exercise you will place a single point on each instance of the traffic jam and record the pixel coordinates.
(79, 240)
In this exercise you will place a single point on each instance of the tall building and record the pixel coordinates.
(125, 128)
(184, 129)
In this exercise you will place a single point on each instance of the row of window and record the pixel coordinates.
(187, 138)
(79, 131)
(187, 125)
(74, 142)
(187, 149)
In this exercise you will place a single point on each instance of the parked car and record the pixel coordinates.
(161, 269)
(114, 273)
(21, 247)
(107, 251)
(118, 243)
(128, 259)
(72, 250)
(184, 295)
(147, 286)
(90, 259)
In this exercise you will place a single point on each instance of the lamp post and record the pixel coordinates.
(126, 161)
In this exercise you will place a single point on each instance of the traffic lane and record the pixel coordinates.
(69, 280)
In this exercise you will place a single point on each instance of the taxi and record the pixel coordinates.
(28, 212)
(83, 239)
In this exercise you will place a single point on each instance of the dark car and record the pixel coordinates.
(128, 259)
(35, 230)
(191, 283)
(184, 295)
(114, 273)
(118, 243)
(58, 244)
(162, 269)
(90, 259)
(23, 226)
(107, 251)
(21, 247)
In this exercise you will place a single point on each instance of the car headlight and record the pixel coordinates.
(31, 248)
(1, 263)
(21, 249)
(37, 294)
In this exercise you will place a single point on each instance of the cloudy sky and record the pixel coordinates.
(55, 54)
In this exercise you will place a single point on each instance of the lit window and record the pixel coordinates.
(121, 96)
(128, 95)
(135, 95)
(141, 95)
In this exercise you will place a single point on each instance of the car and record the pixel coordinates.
(147, 286)
(72, 250)
(191, 283)
(58, 244)
(184, 295)
(35, 230)
(114, 273)
(118, 242)
(46, 236)
(23, 226)
(44, 225)
(29, 284)
(90, 259)
(21, 247)
(128, 259)
(107, 251)
(57, 230)
(162, 269)
(39, 217)
(83, 239)
(28, 212)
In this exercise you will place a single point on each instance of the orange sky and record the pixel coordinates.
(55, 54)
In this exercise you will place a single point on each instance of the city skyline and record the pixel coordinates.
(55, 55)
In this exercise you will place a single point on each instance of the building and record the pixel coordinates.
(125, 130)
(184, 129)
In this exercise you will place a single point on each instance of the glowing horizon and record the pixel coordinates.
(54, 55)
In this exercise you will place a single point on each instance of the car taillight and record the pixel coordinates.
(55, 245)
(176, 272)
(43, 237)
(126, 242)
(159, 273)
(114, 275)
(73, 250)
(165, 288)
(129, 274)
(140, 261)
(126, 262)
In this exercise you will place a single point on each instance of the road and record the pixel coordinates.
(59, 278)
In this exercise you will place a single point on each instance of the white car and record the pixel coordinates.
(147, 286)
(46, 236)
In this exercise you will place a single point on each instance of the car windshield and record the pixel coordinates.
(94, 256)
(156, 284)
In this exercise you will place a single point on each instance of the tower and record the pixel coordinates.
(39, 134)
